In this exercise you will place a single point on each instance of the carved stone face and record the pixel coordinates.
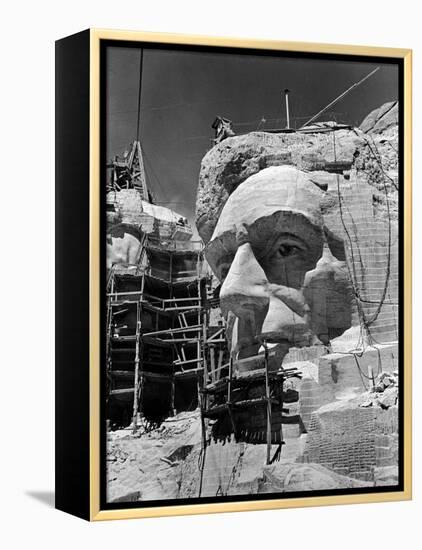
(279, 278)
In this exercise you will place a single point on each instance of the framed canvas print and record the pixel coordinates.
(233, 274)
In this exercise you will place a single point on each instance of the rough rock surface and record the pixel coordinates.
(384, 394)
(371, 151)
(355, 436)
(290, 478)
(165, 463)
(162, 463)
(235, 159)
(379, 159)
(379, 120)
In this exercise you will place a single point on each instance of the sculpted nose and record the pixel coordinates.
(245, 289)
(287, 320)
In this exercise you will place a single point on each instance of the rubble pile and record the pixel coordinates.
(157, 464)
(167, 463)
(384, 392)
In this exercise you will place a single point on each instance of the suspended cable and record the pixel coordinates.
(152, 171)
(141, 61)
(337, 99)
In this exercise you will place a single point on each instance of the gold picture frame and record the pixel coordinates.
(95, 38)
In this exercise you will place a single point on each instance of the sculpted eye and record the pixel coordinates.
(287, 249)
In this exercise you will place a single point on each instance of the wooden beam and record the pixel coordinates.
(220, 363)
(188, 373)
(182, 330)
(268, 396)
(212, 359)
(211, 338)
(187, 362)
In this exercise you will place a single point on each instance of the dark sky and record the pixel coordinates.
(183, 91)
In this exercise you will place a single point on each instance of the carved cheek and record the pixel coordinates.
(329, 294)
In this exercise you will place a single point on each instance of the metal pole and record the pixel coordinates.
(286, 91)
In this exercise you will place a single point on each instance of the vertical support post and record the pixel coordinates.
(212, 362)
(109, 365)
(268, 399)
(219, 364)
(137, 362)
(142, 286)
(281, 409)
(110, 321)
(199, 318)
(229, 395)
(229, 385)
(204, 348)
(141, 392)
(173, 393)
(112, 284)
(371, 376)
(203, 397)
(286, 92)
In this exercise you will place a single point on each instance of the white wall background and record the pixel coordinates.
(27, 37)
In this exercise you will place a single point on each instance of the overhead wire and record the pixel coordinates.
(338, 98)
(138, 118)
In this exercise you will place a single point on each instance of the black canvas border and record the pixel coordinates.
(72, 221)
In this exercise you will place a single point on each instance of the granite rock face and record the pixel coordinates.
(291, 478)
(371, 151)
(235, 159)
(354, 174)
(382, 119)
(379, 159)
(129, 219)
(279, 282)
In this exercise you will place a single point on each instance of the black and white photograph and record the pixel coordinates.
(252, 325)
(211, 250)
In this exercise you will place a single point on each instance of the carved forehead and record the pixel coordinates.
(274, 189)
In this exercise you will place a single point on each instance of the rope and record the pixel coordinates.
(201, 466)
(387, 276)
(353, 277)
(366, 322)
(362, 374)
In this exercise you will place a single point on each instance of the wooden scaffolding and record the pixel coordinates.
(128, 172)
(155, 333)
(248, 401)
(167, 353)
